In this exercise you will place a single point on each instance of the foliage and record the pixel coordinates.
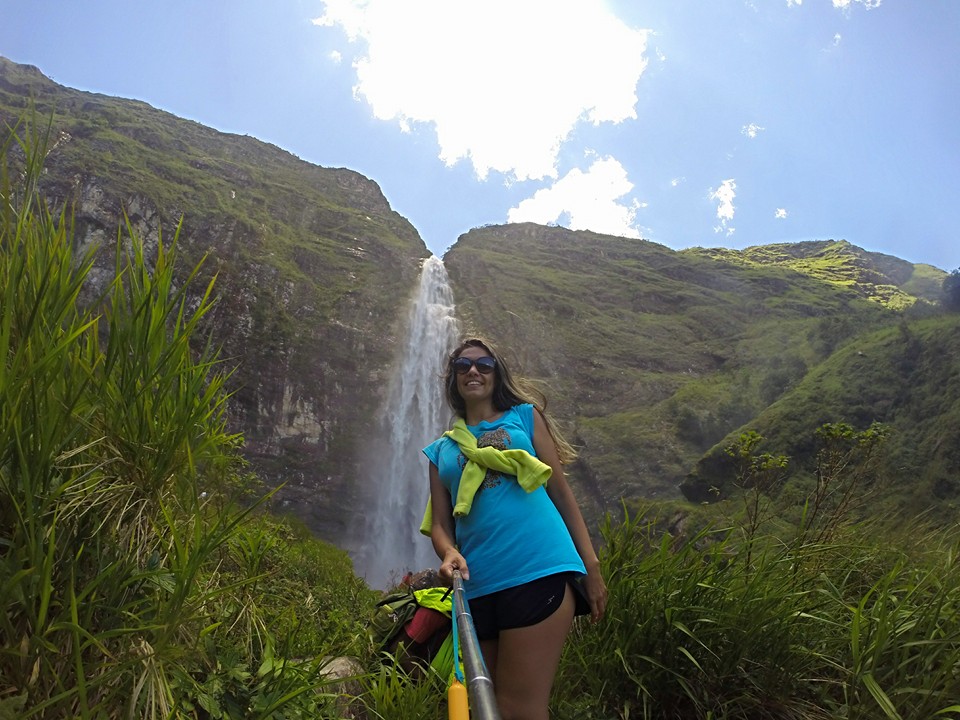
(951, 290)
(713, 627)
(391, 694)
(132, 585)
(758, 476)
(846, 477)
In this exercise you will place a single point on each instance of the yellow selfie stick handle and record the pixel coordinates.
(457, 706)
(457, 701)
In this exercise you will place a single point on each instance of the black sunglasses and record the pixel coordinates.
(485, 365)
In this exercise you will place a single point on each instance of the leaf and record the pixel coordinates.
(881, 697)
(210, 704)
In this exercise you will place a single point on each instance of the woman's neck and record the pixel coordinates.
(476, 414)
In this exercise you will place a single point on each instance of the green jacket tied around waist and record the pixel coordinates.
(530, 472)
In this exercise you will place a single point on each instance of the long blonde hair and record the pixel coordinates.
(507, 392)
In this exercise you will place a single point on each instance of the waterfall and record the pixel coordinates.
(415, 414)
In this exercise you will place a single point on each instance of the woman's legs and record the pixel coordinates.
(523, 663)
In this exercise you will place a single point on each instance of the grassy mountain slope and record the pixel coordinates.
(905, 376)
(310, 261)
(888, 280)
(654, 356)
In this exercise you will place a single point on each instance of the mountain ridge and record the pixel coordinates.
(889, 280)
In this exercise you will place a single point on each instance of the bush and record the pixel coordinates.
(951, 291)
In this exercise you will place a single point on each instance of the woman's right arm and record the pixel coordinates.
(441, 529)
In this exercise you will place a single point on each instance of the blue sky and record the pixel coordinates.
(687, 122)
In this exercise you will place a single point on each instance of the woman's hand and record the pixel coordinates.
(596, 591)
(453, 560)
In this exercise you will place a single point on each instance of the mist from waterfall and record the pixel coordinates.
(415, 414)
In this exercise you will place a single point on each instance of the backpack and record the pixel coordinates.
(412, 627)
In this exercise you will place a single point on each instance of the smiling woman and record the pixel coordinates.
(505, 517)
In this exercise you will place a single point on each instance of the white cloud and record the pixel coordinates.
(792, 3)
(588, 200)
(780, 214)
(503, 83)
(834, 43)
(677, 181)
(868, 4)
(724, 196)
(336, 57)
(752, 130)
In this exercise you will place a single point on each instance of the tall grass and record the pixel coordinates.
(128, 579)
(715, 628)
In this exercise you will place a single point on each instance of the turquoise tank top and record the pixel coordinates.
(510, 536)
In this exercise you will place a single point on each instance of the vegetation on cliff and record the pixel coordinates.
(657, 359)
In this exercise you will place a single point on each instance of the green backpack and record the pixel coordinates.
(395, 612)
(390, 617)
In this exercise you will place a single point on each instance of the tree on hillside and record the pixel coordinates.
(951, 291)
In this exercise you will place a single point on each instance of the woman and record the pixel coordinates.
(520, 543)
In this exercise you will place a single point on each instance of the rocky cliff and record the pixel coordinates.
(313, 268)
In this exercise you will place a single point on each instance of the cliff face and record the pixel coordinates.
(309, 262)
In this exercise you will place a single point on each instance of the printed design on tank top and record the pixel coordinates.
(500, 439)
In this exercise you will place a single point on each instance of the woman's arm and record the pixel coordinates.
(441, 529)
(562, 496)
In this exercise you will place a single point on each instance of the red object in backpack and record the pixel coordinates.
(424, 623)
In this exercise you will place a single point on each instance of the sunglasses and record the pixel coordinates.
(485, 365)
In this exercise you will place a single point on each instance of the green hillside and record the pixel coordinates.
(655, 356)
(885, 279)
(906, 377)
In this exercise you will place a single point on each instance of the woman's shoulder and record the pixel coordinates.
(520, 409)
(433, 450)
(524, 415)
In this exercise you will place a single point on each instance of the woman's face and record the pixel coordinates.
(475, 385)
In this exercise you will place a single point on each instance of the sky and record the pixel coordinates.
(713, 123)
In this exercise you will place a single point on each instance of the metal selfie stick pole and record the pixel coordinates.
(479, 684)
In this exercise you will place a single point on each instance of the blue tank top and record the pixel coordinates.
(510, 536)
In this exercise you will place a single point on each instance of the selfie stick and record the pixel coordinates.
(478, 680)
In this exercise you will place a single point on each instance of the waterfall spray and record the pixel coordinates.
(415, 414)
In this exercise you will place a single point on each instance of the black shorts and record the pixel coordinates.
(524, 605)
